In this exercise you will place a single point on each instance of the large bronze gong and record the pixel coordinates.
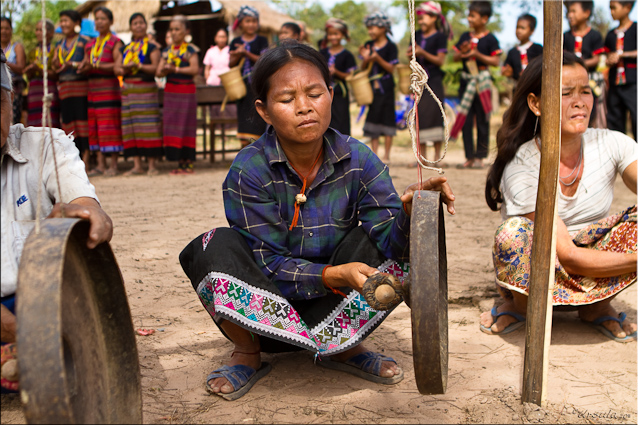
(425, 291)
(77, 353)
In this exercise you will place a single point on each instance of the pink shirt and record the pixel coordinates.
(218, 61)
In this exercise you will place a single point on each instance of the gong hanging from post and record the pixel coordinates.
(424, 291)
(77, 353)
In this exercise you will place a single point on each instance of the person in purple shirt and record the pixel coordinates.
(312, 213)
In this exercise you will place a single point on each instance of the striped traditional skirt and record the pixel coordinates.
(141, 128)
(74, 111)
(180, 121)
(34, 103)
(231, 286)
(105, 115)
(512, 255)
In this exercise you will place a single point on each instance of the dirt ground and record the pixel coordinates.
(591, 379)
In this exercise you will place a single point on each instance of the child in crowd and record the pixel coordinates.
(477, 49)
(73, 86)
(341, 63)
(104, 97)
(621, 47)
(587, 43)
(290, 31)
(519, 56)
(382, 55)
(249, 46)
(217, 58)
(431, 48)
(35, 73)
(179, 64)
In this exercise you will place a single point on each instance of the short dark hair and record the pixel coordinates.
(222, 29)
(5, 19)
(183, 19)
(275, 59)
(136, 15)
(104, 10)
(296, 29)
(483, 8)
(586, 5)
(530, 19)
(630, 3)
(73, 15)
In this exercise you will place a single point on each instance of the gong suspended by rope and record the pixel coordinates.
(424, 291)
(78, 358)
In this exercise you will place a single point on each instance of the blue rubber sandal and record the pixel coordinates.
(511, 328)
(241, 377)
(365, 365)
(597, 324)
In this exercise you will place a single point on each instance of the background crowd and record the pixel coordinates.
(106, 93)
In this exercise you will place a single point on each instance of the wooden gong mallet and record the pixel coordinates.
(424, 291)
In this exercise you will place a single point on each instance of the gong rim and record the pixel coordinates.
(82, 365)
(428, 293)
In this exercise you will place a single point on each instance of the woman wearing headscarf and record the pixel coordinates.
(248, 46)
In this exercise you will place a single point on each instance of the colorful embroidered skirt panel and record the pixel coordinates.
(512, 255)
(235, 289)
(141, 127)
(74, 111)
(105, 115)
(34, 103)
(180, 121)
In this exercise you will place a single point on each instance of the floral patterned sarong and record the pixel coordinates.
(512, 253)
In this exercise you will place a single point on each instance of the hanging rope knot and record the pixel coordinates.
(419, 81)
(47, 100)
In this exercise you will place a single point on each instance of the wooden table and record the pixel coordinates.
(208, 96)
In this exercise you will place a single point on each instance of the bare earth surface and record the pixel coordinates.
(591, 378)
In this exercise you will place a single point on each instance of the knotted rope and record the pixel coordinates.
(47, 100)
(419, 81)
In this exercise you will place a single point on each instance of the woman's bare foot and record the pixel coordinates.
(503, 321)
(247, 358)
(591, 312)
(388, 369)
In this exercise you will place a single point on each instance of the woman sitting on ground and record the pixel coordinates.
(596, 252)
(294, 200)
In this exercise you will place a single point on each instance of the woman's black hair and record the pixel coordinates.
(73, 15)
(222, 29)
(296, 29)
(136, 15)
(183, 19)
(5, 19)
(519, 124)
(275, 59)
(104, 10)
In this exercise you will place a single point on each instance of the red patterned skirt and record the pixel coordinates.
(105, 115)
(74, 111)
(512, 255)
(180, 121)
(34, 103)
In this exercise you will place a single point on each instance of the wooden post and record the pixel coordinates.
(539, 304)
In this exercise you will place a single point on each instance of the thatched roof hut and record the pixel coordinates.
(203, 20)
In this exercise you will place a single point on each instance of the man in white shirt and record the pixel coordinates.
(20, 178)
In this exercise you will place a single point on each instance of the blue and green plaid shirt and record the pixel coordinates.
(352, 186)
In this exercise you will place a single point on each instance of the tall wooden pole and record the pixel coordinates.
(539, 304)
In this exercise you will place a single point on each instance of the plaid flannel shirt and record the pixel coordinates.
(352, 186)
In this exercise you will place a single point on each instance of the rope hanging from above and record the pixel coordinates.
(47, 100)
(419, 82)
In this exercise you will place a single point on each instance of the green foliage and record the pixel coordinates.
(12, 9)
(599, 21)
(24, 30)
